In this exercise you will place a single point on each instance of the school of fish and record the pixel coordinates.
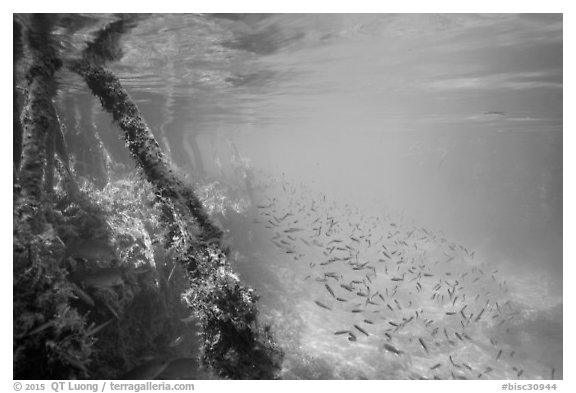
(407, 289)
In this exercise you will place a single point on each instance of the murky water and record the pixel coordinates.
(417, 159)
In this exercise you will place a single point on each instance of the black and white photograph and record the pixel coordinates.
(287, 196)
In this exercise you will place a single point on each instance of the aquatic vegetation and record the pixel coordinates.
(17, 125)
(119, 255)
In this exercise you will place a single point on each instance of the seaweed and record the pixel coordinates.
(110, 272)
(17, 125)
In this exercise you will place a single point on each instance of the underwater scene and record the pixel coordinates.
(287, 196)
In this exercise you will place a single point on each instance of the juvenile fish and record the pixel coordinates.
(499, 354)
(479, 315)
(329, 290)
(361, 330)
(82, 295)
(392, 349)
(339, 332)
(322, 305)
(99, 327)
(423, 345)
(290, 230)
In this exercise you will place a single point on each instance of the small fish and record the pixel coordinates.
(357, 310)
(499, 354)
(450, 313)
(369, 321)
(434, 367)
(341, 300)
(479, 315)
(98, 328)
(352, 337)
(277, 244)
(112, 310)
(322, 305)
(342, 332)
(40, 328)
(392, 349)
(423, 345)
(520, 373)
(330, 290)
(291, 230)
(361, 330)
(347, 287)
(81, 294)
(454, 363)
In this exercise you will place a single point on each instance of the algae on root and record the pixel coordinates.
(235, 346)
